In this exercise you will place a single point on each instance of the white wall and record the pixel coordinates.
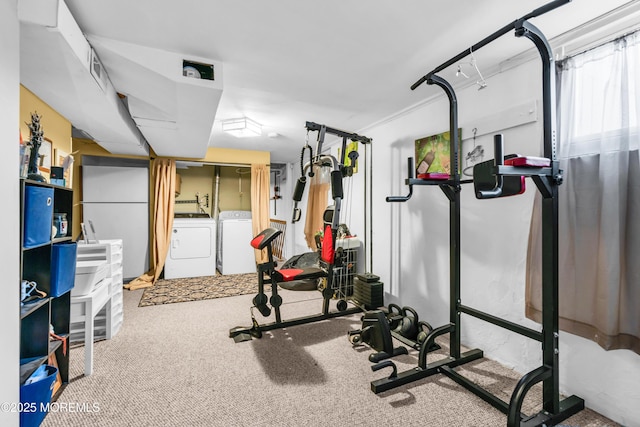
(9, 193)
(282, 208)
(411, 243)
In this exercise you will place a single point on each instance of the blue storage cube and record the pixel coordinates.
(63, 268)
(38, 215)
(36, 396)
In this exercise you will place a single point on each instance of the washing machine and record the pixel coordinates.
(192, 252)
(235, 253)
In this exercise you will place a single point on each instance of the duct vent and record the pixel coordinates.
(97, 71)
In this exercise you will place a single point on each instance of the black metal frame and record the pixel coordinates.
(256, 329)
(336, 192)
(547, 181)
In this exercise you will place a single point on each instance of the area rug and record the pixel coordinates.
(199, 288)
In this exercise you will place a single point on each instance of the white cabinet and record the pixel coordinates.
(109, 319)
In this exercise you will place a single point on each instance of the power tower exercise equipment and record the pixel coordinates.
(503, 177)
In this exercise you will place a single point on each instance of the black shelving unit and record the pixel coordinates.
(37, 316)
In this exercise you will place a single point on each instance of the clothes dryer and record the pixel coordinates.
(192, 252)
(235, 253)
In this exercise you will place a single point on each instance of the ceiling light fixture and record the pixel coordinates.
(242, 127)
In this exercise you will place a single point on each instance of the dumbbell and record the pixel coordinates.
(394, 315)
(424, 329)
(408, 325)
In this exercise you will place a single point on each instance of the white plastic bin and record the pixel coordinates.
(88, 275)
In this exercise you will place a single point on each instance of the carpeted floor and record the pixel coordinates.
(199, 288)
(175, 365)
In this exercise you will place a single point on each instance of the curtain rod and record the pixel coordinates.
(597, 46)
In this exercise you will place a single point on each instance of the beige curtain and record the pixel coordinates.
(260, 191)
(164, 171)
(317, 203)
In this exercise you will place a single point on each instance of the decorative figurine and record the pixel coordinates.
(36, 140)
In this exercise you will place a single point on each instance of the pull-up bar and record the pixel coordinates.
(352, 136)
(502, 31)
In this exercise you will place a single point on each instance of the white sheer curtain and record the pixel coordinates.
(599, 115)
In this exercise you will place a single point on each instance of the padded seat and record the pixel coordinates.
(284, 275)
(291, 274)
(300, 285)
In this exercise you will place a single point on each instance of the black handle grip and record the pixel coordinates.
(395, 199)
(386, 364)
(419, 82)
(545, 8)
(299, 189)
(336, 185)
(410, 169)
(498, 160)
(297, 213)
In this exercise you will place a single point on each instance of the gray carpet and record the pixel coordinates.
(174, 365)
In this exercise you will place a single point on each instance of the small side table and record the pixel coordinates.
(87, 307)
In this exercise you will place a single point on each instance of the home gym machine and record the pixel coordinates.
(505, 178)
(330, 257)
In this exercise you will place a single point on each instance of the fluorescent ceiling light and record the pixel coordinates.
(242, 128)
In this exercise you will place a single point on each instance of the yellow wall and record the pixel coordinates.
(235, 188)
(54, 126)
(196, 180)
(230, 155)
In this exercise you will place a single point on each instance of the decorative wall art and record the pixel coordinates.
(433, 153)
(45, 154)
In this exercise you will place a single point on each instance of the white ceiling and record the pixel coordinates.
(346, 64)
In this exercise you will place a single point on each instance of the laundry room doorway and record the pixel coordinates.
(209, 188)
(221, 194)
(234, 191)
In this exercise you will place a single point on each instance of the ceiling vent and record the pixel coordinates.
(97, 71)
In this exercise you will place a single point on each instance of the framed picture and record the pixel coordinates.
(45, 155)
(433, 153)
(59, 159)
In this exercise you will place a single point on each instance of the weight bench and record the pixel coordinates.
(268, 273)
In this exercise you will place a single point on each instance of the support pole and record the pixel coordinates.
(452, 190)
(550, 263)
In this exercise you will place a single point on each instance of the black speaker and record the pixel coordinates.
(57, 172)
